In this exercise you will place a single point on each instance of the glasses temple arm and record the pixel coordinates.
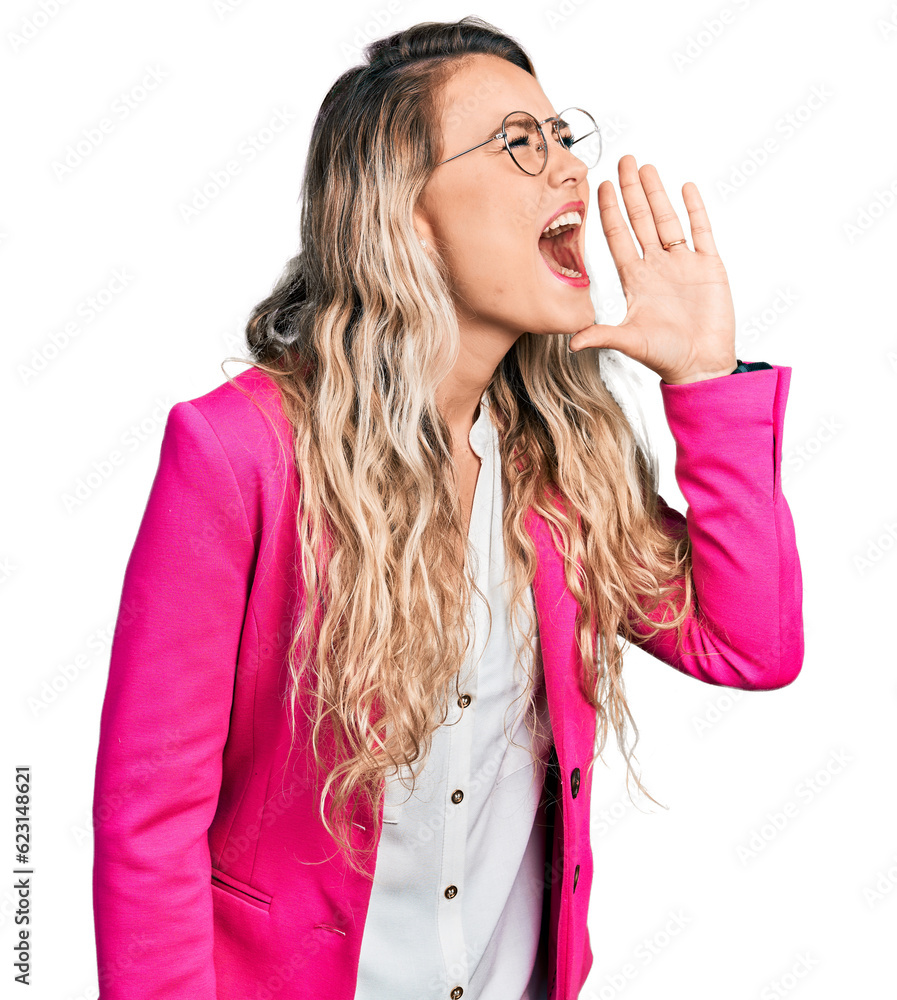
(472, 148)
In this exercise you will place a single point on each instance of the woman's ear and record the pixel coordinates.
(423, 228)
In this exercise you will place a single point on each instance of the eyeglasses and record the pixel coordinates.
(574, 129)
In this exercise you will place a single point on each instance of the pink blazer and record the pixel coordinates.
(213, 875)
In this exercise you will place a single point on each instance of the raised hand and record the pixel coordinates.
(680, 321)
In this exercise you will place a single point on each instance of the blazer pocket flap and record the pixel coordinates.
(242, 890)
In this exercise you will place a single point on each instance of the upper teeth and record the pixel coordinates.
(568, 218)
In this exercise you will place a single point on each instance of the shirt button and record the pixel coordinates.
(457, 795)
(456, 993)
(451, 891)
(575, 877)
(574, 782)
(464, 700)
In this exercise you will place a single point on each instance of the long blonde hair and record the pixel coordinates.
(357, 333)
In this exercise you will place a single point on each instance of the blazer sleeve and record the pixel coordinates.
(164, 722)
(745, 627)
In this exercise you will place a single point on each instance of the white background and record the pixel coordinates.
(807, 236)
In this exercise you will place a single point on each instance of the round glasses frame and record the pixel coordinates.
(554, 119)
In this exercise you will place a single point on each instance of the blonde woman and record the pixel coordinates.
(371, 631)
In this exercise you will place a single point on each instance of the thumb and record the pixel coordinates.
(601, 335)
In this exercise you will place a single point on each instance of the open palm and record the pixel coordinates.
(680, 321)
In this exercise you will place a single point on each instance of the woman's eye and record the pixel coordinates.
(565, 140)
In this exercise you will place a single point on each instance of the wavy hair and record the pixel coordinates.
(358, 332)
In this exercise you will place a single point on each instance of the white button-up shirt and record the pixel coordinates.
(457, 896)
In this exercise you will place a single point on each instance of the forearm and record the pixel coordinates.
(745, 626)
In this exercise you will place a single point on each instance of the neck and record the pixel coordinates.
(458, 395)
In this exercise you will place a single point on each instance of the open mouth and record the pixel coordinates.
(561, 249)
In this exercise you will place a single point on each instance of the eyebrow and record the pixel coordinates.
(497, 128)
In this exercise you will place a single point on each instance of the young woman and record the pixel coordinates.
(369, 638)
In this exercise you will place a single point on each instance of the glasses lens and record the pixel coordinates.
(579, 132)
(525, 142)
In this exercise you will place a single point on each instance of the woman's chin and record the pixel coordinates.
(572, 307)
(577, 317)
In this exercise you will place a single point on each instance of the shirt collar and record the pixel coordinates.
(483, 430)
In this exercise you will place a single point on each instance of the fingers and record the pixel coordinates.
(666, 223)
(619, 240)
(653, 218)
(638, 207)
(701, 235)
